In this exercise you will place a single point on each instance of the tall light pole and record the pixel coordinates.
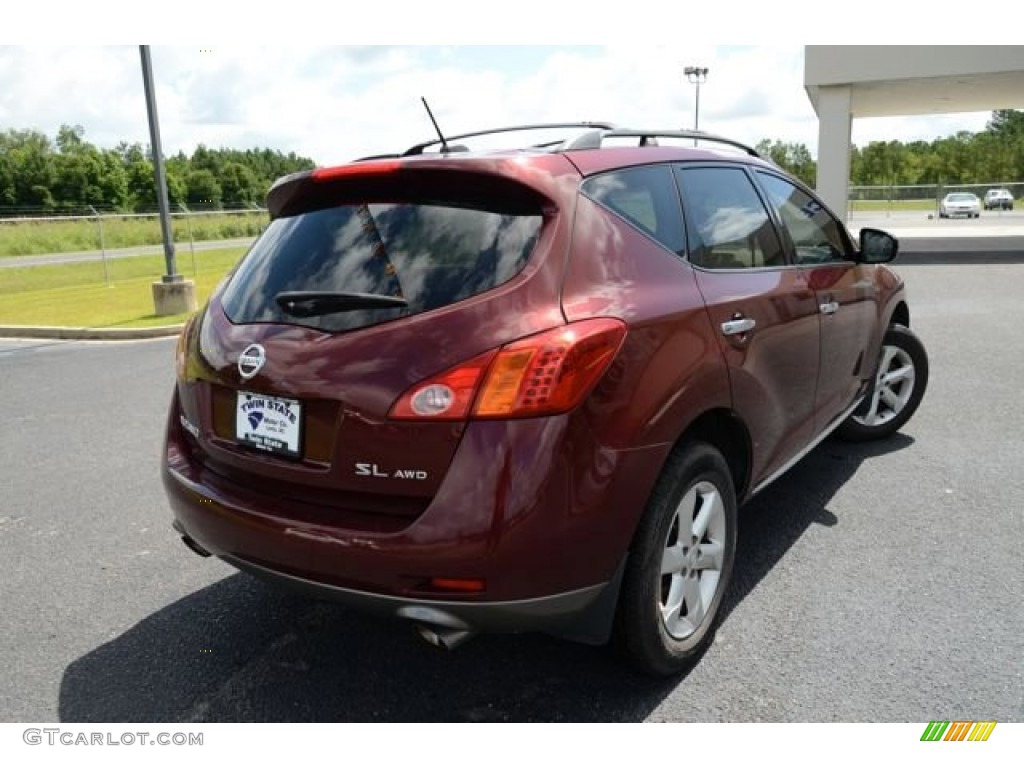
(696, 75)
(173, 295)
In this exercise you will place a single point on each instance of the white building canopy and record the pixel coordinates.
(848, 81)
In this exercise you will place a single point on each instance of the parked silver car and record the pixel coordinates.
(960, 204)
(998, 198)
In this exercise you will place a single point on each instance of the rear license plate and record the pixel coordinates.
(272, 424)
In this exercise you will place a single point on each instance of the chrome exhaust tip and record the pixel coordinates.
(442, 637)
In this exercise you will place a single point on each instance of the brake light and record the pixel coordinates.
(544, 374)
(365, 168)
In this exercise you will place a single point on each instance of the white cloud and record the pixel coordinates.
(336, 103)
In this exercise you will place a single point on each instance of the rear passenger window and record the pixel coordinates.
(815, 234)
(726, 221)
(646, 197)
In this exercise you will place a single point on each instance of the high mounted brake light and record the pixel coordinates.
(541, 375)
(368, 168)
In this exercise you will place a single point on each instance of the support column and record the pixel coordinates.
(834, 122)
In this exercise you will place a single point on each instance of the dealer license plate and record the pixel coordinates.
(273, 424)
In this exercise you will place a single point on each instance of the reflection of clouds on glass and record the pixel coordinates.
(436, 255)
(729, 225)
(601, 186)
(246, 292)
(514, 238)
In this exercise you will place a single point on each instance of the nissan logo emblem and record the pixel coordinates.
(251, 360)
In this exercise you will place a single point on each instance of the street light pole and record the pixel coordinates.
(696, 75)
(173, 294)
(158, 166)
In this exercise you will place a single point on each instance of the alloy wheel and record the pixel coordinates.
(692, 560)
(894, 386)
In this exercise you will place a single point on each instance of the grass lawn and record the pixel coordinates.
(895, 205)
(27, 237)
(78, 295)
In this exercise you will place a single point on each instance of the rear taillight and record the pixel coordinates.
(540, 375)
(444, 397)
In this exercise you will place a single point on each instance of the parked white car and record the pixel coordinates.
(998, 198)
(960, 204)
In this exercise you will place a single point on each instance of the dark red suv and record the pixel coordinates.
(527, 389)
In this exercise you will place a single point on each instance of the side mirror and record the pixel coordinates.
(877, 247)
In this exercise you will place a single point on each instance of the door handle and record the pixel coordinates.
(829, 308)
(738, 325)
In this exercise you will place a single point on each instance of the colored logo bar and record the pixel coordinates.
(958, 730)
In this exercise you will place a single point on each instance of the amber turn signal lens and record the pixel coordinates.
(551, 372)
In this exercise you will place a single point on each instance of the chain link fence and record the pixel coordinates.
(919, 196)
(27, 232)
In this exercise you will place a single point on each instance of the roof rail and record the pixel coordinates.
(376, 157)
(418, 149)
(594, 139)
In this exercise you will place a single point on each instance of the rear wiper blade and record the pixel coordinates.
(313, 303)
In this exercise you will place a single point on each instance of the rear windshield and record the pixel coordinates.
(431, 255)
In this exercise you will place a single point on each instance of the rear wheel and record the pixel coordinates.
(680, 564)
(899, 385)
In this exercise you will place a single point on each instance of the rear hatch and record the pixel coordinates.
(370, 279)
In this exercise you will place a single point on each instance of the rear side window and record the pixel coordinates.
(646, 197)
(432, 255)
(729, 226)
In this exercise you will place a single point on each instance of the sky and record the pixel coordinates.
(334, 103)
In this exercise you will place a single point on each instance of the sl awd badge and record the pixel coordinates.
(372, 470)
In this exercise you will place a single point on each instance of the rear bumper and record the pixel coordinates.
(536, 509)
(580, 613)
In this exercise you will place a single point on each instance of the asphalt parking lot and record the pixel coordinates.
(873, 583)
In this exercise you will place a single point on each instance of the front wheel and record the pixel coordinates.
(899, 385)
(680, 563)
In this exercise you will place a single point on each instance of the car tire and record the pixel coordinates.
(679, 565)
(898, 387)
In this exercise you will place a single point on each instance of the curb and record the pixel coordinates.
(102, 334)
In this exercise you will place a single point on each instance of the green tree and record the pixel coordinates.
(69, 138)
(29, 169)
(239, 185)
(204, 191)
(142, 187)
(792, 157)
